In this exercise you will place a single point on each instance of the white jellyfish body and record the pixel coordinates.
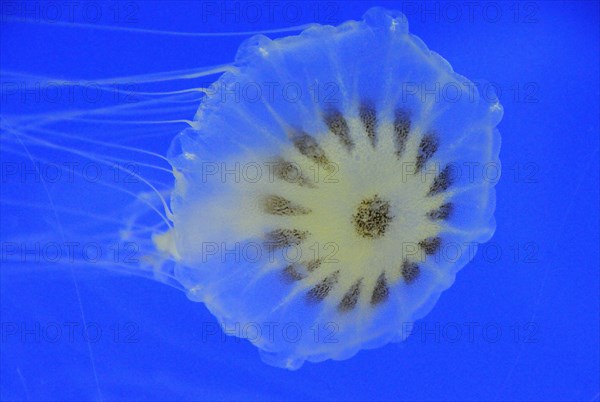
(331, 189)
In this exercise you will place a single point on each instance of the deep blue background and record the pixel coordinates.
(542, 293)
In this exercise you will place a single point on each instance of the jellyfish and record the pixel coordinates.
(328, 189)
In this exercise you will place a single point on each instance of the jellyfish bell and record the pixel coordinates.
(365, 184)
(314, 199)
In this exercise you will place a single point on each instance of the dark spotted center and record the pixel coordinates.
(372, 217)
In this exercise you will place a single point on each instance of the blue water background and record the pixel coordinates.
(534, 309)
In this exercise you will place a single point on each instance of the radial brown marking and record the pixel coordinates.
(368, 116)
(430, 245)
(428, 146)
(442, 181)
(410, 271)
(312, 265)
(280, 238)
(309, 147)
(292, 274)
(322, 289)
(350, 297)
(276, 205)
(381, 291)
(401, 129)
(291, 173)
(442, 213)
(338, 126)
